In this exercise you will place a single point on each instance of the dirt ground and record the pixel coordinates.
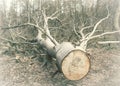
(105, 71)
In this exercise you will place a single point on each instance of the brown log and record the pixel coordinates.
(73, 63)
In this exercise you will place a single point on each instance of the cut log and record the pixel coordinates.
(73, 63)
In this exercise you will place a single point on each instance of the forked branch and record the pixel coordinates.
(89, 36)
(97, 24)
(84, 28)
(46, 28)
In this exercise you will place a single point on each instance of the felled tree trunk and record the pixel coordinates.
(72, 62)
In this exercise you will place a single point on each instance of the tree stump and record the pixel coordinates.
(73, 63)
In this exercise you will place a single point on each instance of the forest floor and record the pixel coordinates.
(105, 71)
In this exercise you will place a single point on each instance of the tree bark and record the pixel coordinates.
(72, 62)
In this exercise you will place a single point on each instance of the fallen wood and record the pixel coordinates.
(108, 42)
(73, 63)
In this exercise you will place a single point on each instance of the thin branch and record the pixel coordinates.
(98, 23)
(14, 26)
(11, 41)
(87, 34)
(76, 33)
(22, 37)
(39, 28)
(87, 37)
(84, 28)
(52, 18)
(106, 33)
(55, 13)
(108, 42)
(25, 24)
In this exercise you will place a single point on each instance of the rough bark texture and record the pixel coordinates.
(62, 51)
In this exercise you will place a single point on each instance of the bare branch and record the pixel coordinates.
(38, 27)
(55, 13)
(108, 42)
(46, 27)
(98, 23)
(87, 37)
(84, 28)
(21, 37)
(106, 33)
(11, 41)
(14, 26)
(84, 42)
(76, 33)
(52, 18)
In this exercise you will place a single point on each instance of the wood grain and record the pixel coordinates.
(75, 65)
